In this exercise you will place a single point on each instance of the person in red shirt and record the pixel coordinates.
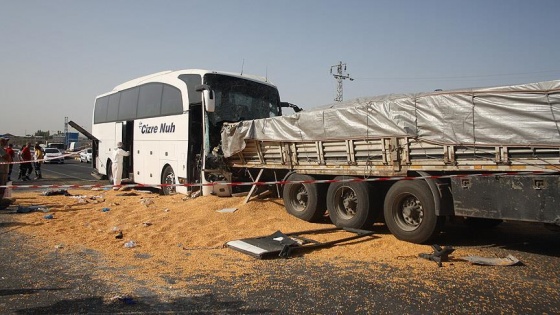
(4, 160)
(11, 156)
(25, 167)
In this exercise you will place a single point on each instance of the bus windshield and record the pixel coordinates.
(239, 99)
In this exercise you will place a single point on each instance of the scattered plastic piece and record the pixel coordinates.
(227, 210)
(124, 299)
(22, 209)
(130, 244)
(146, 202)
(105, 209)
(146, 223)
(58, 192)
(509, 260)
(59, 246)
(49, 216)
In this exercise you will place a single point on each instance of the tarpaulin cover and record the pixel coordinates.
(517, 115)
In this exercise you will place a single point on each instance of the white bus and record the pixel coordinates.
(171, 121)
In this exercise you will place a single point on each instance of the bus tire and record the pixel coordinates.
(349, 204)
(409, 211)
(304, 201)
(168, 177)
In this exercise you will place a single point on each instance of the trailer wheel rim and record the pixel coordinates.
(410, 213)
(299, 197)
(346, 203)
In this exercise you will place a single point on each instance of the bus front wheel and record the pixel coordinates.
(168, 181)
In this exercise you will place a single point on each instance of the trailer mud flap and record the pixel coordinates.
(283, 245)
(533, 198)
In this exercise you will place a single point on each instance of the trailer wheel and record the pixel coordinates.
(168, 177)
(410, 212)
(349, 204)
(305, 201)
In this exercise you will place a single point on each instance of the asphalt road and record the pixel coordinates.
(58, 282)
(70, 172)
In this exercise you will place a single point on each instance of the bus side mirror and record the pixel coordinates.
(209, 101)
(207, 96)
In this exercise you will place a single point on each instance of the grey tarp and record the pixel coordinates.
(520, 115)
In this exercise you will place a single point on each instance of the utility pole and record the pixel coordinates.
(65, 132)
(339, 75)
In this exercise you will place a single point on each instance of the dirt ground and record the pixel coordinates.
(180, 234)
(179, 238)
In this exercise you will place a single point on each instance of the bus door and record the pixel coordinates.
(194, 155)
(127, 129)
(124, 133)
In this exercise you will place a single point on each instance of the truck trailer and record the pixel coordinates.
(410, 160)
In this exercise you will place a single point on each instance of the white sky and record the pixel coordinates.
(57, 56)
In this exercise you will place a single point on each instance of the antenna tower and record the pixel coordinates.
(66, 132)
(340, 75)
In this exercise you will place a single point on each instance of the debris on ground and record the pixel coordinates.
(509, 260)
(147, 202)
(439, 255)
(123, 299)
(127, 194)
(227, 210)
(283, 245)
(57, 192)
(23, 209)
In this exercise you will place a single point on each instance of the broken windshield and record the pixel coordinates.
(238, 99)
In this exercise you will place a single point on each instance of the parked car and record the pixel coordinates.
(85, 156)
(53, 155)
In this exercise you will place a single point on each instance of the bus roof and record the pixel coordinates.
(166, 75)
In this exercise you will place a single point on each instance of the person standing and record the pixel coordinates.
(4, 164)
(25, 167)
(117, 164)
(39, 156)
(12, 155)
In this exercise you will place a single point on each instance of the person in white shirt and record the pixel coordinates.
(117, 164)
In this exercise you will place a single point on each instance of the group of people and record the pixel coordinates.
(29, 161)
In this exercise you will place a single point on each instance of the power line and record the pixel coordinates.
(460, 77)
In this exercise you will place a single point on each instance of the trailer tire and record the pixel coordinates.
(349, 204)
(168, 177)
(305, 201)
(409, 211)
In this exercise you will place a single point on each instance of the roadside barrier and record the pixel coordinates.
(281, 182)
(72, 154)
